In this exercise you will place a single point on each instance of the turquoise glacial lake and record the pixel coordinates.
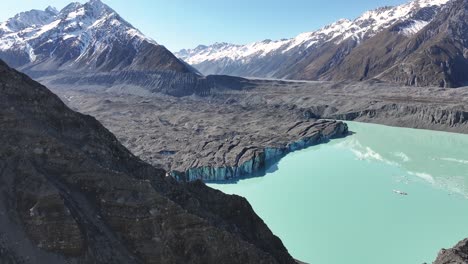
(339, 202)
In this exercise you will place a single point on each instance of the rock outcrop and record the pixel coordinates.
(70, 192)
(456, 255)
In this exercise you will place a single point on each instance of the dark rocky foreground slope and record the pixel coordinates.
(71, 193)
(456, 255)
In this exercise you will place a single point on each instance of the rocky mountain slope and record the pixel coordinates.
(71, 193)
(83, 37)
(404, 44)
(436, 55)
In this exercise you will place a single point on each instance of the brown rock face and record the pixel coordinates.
(70, 192)
(435, 56)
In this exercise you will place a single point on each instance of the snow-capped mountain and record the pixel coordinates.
(282, 58)
(85, 37)
(437, 55)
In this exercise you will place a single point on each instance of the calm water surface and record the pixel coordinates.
(336, 202)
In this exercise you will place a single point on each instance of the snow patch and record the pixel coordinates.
(45, 29)
(7, 43)
(414, 27)
(30, 51)
(73, 15)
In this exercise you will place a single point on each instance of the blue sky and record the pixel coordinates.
(181, 24)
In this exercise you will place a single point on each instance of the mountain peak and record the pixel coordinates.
(96, 2)
(51, 10)
(98, 7)
(89, 36)
(93, 10)
(70, 7)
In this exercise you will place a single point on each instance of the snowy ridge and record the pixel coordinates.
(365, 26)
(33, 18)
(86, 29)
(221, 51)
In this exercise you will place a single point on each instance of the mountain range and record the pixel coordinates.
(420, 43)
